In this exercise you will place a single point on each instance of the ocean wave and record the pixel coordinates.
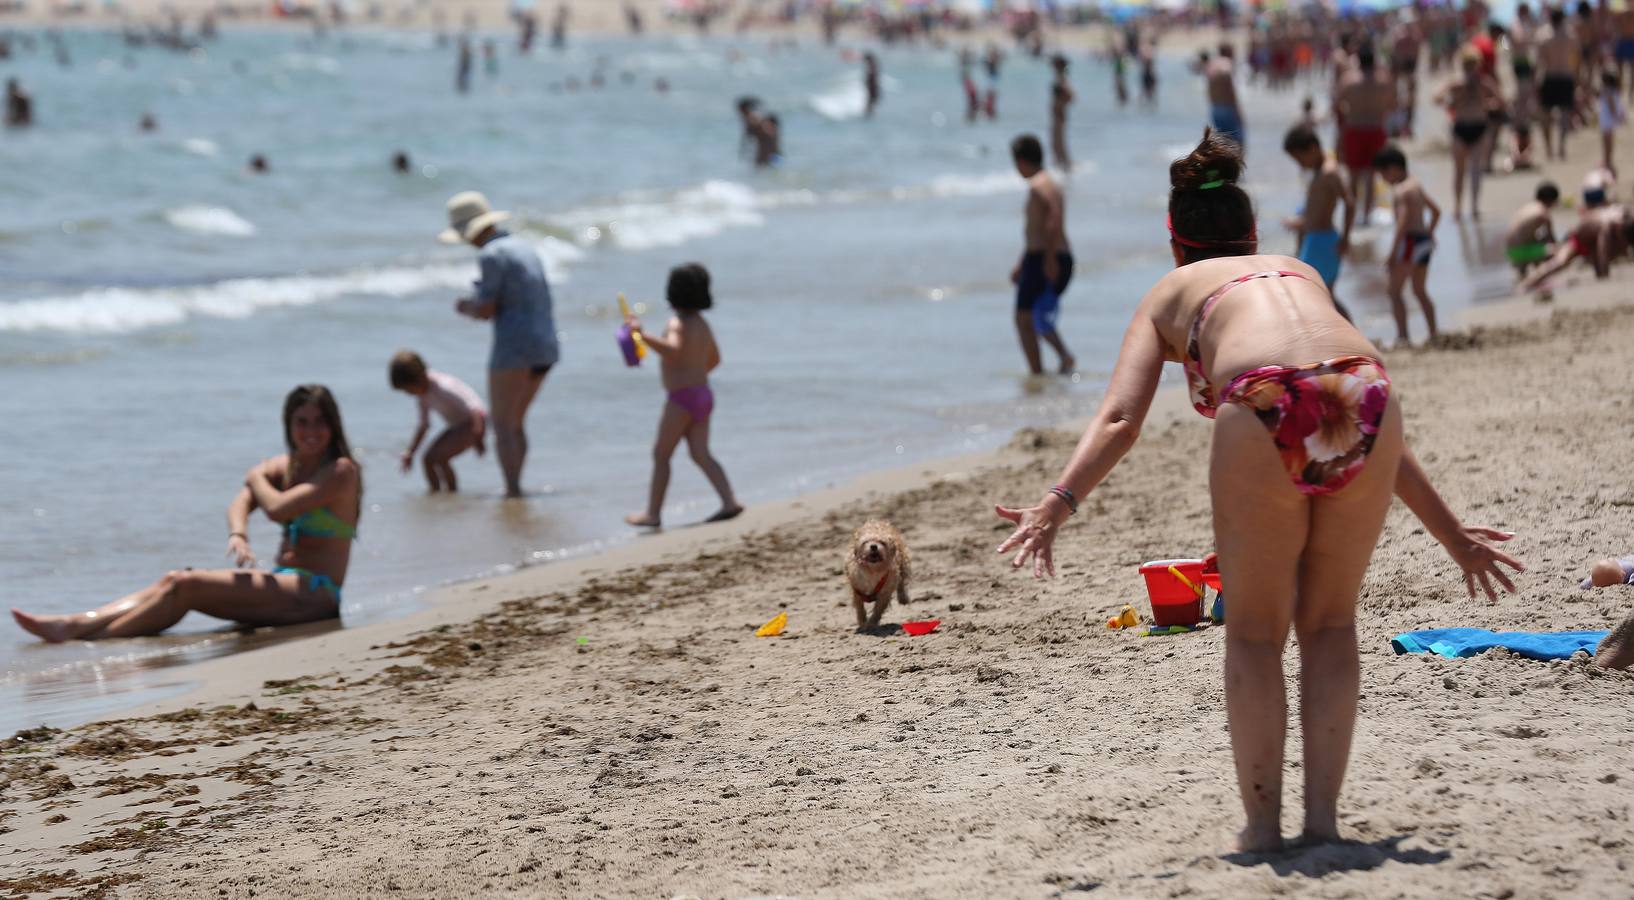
(643, 220)
(210, 220)
(117, 310)
(201, 147)
(841, 102)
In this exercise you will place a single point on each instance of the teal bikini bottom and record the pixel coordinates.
(313, 580)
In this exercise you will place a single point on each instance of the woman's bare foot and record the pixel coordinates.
(1315, 837)
(726, 513)
(1617, 650)
(642, 520)
(1260, 840)
(54, 629)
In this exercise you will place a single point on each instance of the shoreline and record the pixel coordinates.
(609, 725)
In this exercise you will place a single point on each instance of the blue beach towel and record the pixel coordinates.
(1457, 643)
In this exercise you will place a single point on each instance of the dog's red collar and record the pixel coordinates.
(874, 597)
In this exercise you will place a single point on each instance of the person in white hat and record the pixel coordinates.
(512, 293)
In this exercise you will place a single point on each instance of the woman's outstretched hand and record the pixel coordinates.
(239, 549)
(1472, 549)
(1034, 537)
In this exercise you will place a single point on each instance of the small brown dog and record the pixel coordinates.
(876, 568)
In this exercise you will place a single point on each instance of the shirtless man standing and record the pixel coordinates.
(1060, 98)
(1045, 269)
(1364, 106)
(1226, 115)
(1557, 59)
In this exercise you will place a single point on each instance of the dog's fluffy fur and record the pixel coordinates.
(875, 568)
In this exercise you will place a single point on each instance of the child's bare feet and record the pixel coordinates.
(54, 629)
(1263, 839)
(642, 520)
(726, 513)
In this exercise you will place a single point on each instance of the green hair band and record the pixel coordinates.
(1214, 181)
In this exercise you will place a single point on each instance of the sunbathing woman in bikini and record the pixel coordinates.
(315, 492)
(1307, 453)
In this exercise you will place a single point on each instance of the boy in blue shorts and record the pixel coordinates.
(1321, 246)
(1045, 268)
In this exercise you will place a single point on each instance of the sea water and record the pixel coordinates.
(157, 301)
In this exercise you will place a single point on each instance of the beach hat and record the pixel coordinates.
(468, 215)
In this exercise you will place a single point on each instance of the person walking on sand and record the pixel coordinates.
(1413, 243)
(1061, 98)
(687, 353)
(1364, 106)
(1227, 116)
(1045, 268)
(313, 492)
(513, 293)
(1557, 58)
(1308, 450)
(1469, 101)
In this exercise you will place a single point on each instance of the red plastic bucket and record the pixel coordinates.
(1174, 601)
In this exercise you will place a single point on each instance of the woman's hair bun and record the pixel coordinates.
(1216, 159)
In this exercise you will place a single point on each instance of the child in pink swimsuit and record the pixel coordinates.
(453, 400)
(687, 353)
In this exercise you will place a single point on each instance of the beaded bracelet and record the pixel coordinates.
(1066, 496)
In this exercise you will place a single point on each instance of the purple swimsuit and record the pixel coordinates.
(698, 401)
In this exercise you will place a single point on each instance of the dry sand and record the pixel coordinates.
(612, 728)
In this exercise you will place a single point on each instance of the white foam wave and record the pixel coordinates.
(210, 220)
(119, 310)
(842, 102)
(201, 147)
(643, 220)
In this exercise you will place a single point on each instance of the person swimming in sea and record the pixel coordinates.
(314, 492)
(687, 353)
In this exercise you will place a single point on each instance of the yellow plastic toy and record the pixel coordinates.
(1126, 618)
(1196, 588)
(630, 342)
(774, 627)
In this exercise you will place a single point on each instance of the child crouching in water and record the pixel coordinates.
(687, 354)
(460, 408)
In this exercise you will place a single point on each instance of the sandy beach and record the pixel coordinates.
(611, 727)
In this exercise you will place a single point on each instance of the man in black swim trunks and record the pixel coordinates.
(1558, 91)
(1045, 269)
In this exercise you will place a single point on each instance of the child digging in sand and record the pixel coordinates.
(1414, 241)
(460, 408)
(1617, 650)
(1531, 235)
(687, 354)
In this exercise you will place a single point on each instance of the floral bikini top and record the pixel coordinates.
(1204, 397)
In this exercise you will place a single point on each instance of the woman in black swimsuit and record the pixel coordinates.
(1471, 101)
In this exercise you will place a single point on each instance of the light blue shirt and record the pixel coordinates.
(513, 279)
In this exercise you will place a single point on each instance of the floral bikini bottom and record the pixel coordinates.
(1323, 417)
